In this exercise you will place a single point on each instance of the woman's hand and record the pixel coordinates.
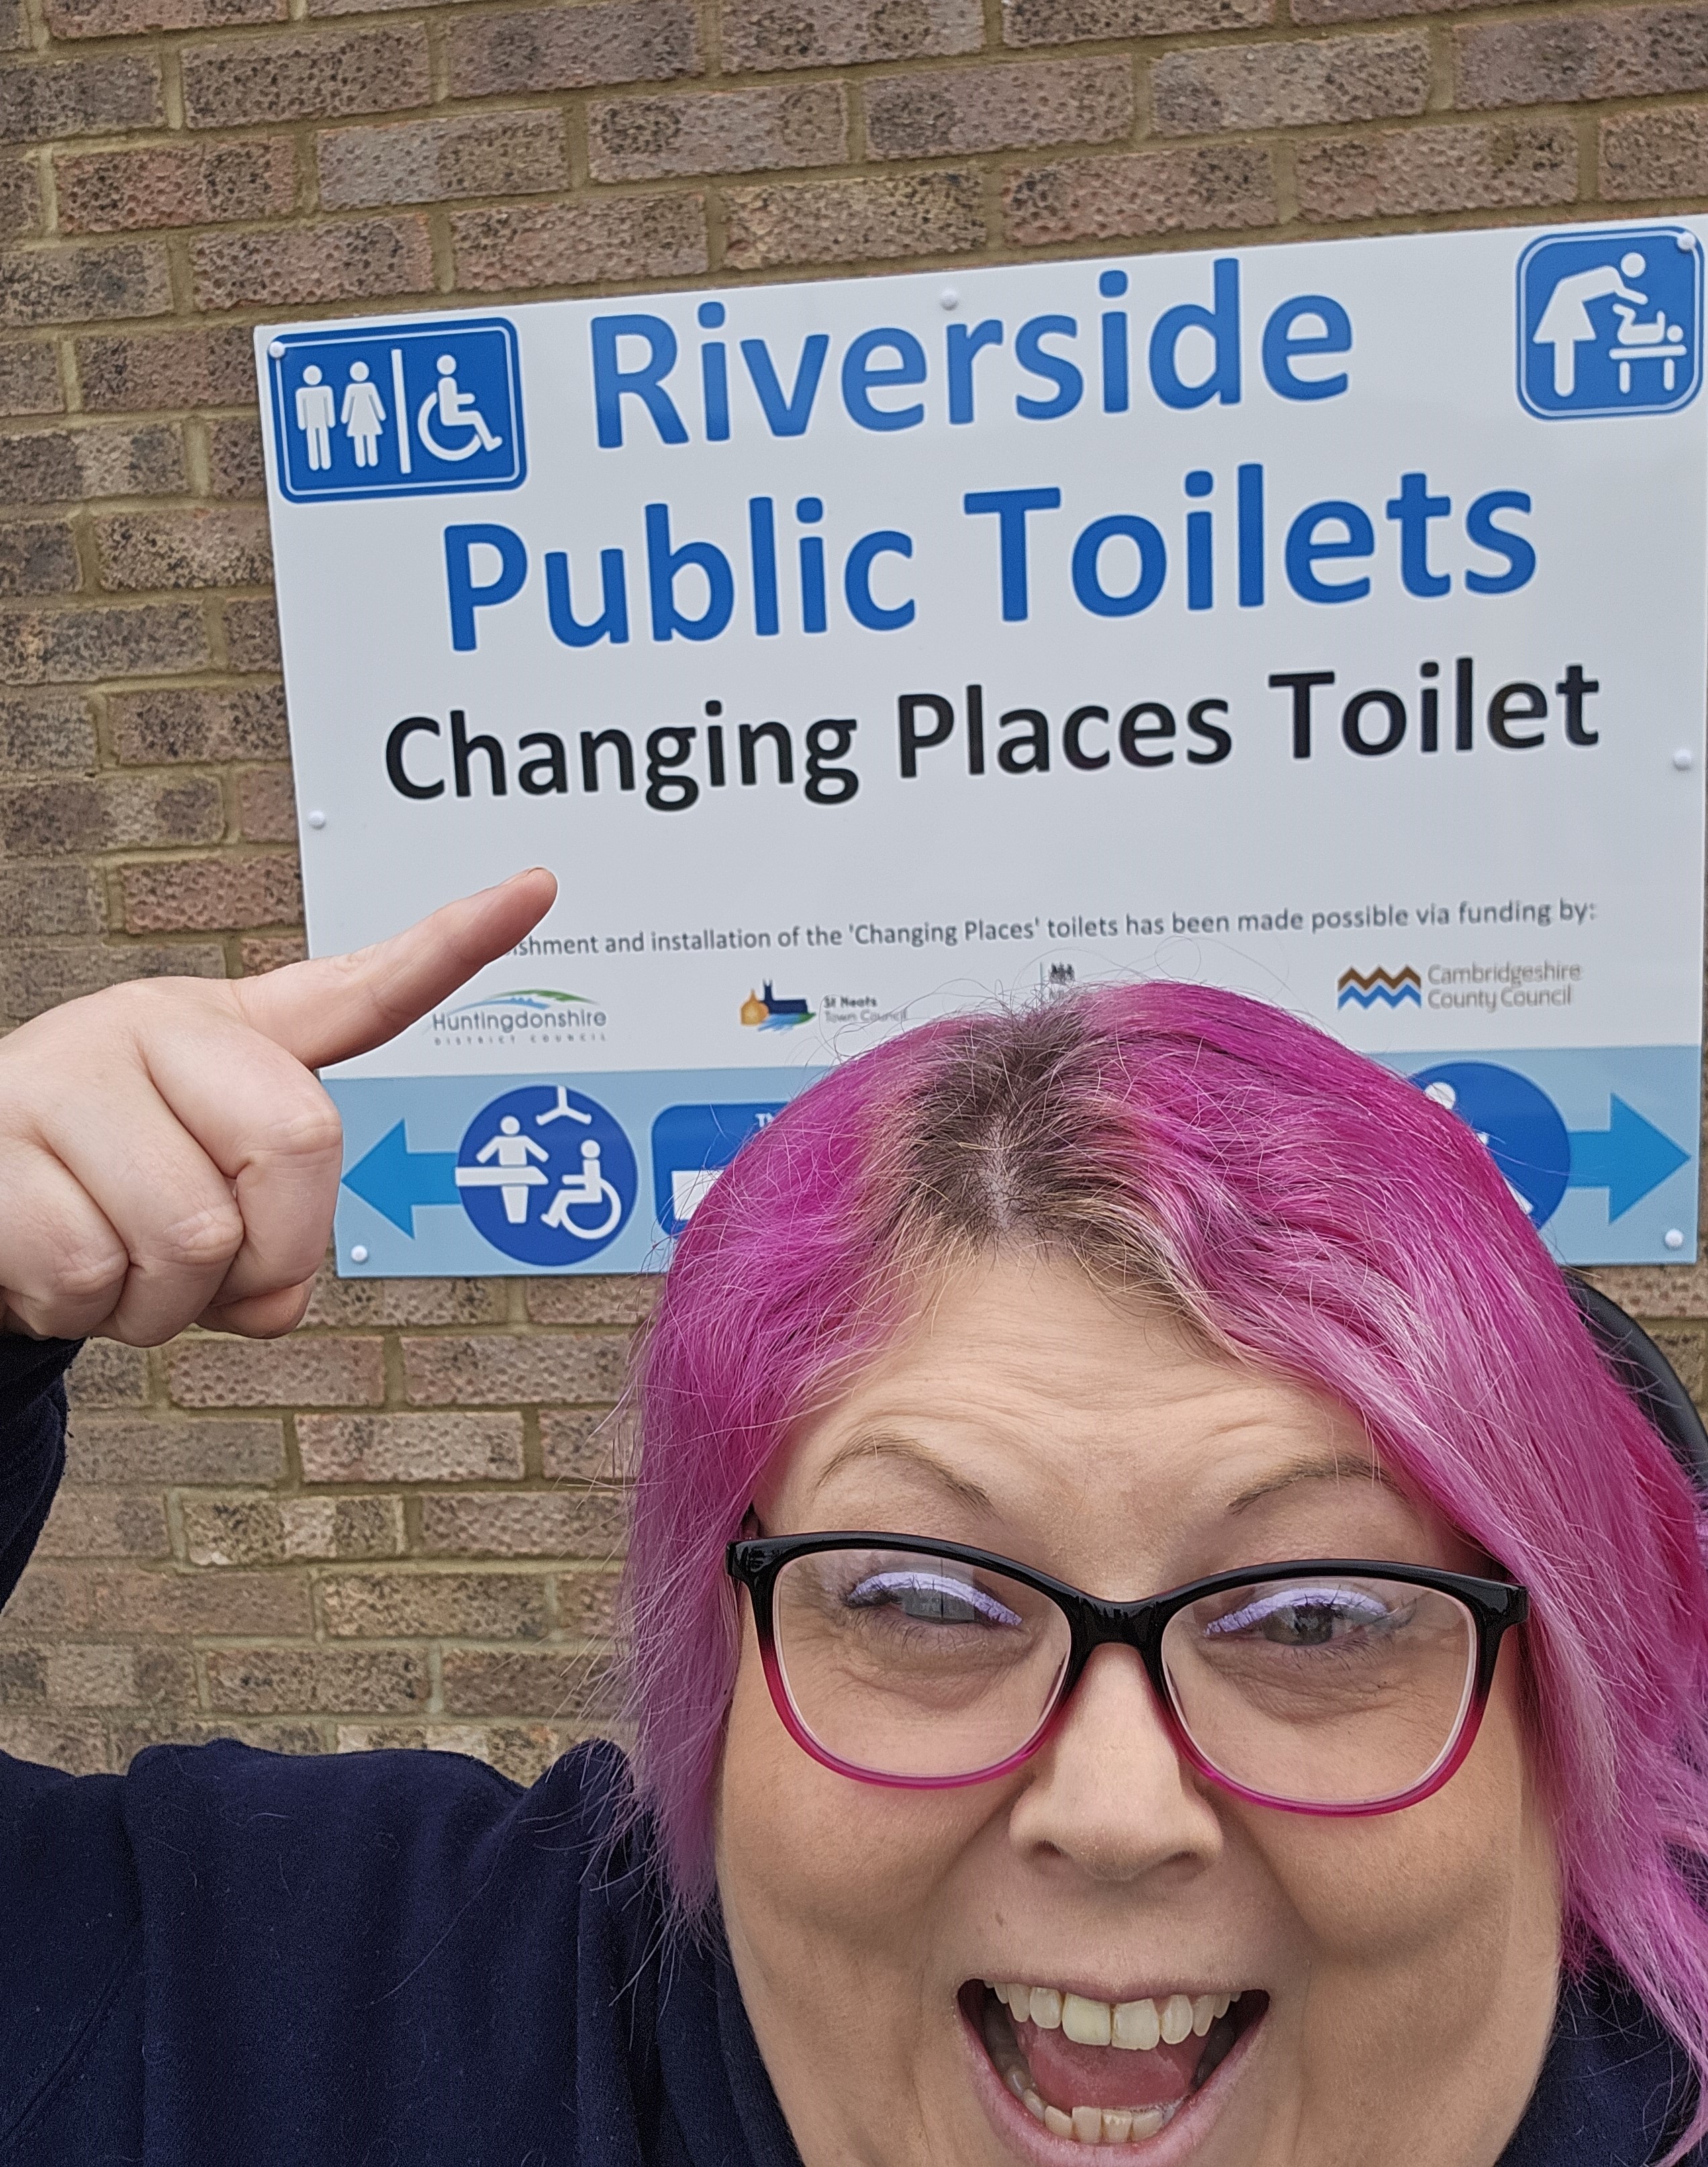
(167, 1156)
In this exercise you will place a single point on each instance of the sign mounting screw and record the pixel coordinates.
(1683, 758)
(358, 1251)
(1674, 1237)
(318, 819)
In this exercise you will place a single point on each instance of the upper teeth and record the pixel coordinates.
(1129, 2024)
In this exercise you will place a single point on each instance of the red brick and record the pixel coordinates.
(1215, 188)
(790, 34)
(105, 1523)
(578, 244)
(206, 895)
(14, 27)
(140, 551)
(559, 48)
(452, 1448)
(92, 1674)
(29, 378)
(237, 466)
(317, 1681)
(354, 259)
(186, 184)
(355, 1302)
(130, 1737)
(250, 631)
(23, 1678)
(562, 1524)
(847, 221)
(1069, 22)
(266, 808)
(35, 976)
(49, 1602)
(477, 154)
(1001, 107)
(1401, 172)
(96, 94)
(1366, 11)
(125, 19)
(37, 556)
(79, 1747)
(596, 1447)
(50, 899)
(1646, 157)
(130, 373)
(450, 1371)
(594, 1299)
(310, 1370)
(588, 1607)
(71, 647)
(464, 1606)
(218, 1605)
(1314, 83)
(20, 198)
(71, 284)
(176, 1450)
(104, 458)
(106, 1374)
(217, 723)
(541, 1683)
(264, 952)
(1551, 59)
(305, 75)
(105, 812)
(45, 730)
(726, 131)
(243, 1529)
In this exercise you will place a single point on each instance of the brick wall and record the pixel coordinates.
(394, 1527)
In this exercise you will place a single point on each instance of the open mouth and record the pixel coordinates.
(1104, 2073)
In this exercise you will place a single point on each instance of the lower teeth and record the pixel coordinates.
(1088, 2125)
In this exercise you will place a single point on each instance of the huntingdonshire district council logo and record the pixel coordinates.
(1392, 987)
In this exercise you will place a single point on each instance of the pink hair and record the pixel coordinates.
(1313, 1216)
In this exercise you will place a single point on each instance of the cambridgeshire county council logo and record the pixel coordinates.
(770, 1011)
(1367, 987)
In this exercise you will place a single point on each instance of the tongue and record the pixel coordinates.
(1068, 2076)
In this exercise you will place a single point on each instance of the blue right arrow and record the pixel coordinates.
(394, 1180)
(1627, 1159)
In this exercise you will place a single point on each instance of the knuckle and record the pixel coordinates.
(85, 1272)
(311, 1130)
(202, 1241)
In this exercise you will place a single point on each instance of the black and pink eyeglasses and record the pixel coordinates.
(1317, 1685)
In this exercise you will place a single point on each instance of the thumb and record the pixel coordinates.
(336, 1006)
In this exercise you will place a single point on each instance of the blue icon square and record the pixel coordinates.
(420, 409)
(691, 1146)
(1609, 323)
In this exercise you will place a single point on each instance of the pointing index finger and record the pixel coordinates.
(337, 1006)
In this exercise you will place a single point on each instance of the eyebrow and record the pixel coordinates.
(1314, 1467)
(884, 1445)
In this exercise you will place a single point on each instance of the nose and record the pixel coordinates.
(1109, 1791)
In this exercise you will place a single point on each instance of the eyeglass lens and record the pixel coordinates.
(1311, 1690)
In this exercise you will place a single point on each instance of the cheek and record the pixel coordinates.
(816, 1870)
(1442, 1904)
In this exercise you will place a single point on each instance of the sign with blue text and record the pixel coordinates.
(1325, 622)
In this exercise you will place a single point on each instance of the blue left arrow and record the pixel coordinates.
(1627, 1159)
(394, 1180)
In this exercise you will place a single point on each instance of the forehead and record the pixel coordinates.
(1027, 1409)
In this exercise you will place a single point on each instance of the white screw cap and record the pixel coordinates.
(949, 299)
(1674, 1237)
(358, 1251)
(1683, 758)
(1687, 240)
(276, 348)
(318, 819)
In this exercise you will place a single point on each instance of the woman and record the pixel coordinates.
(1153, 1627)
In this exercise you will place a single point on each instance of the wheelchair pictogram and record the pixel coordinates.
(546, 1174)
(414, 410)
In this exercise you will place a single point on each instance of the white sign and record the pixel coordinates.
(1323, 621)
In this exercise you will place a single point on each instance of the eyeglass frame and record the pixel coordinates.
(1496, 1607)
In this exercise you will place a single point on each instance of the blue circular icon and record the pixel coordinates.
(1519, 1123)
(547, 1175)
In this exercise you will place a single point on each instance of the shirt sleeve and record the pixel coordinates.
(32, 1443)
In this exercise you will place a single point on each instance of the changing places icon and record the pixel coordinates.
(416, 410)
(1610, 322)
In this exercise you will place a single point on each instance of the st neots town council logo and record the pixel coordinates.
(418, 410)
(1609, 323)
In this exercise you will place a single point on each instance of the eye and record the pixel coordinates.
(1303, 1617)
(931, 1598)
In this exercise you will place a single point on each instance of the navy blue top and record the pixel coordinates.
(402, 1960)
